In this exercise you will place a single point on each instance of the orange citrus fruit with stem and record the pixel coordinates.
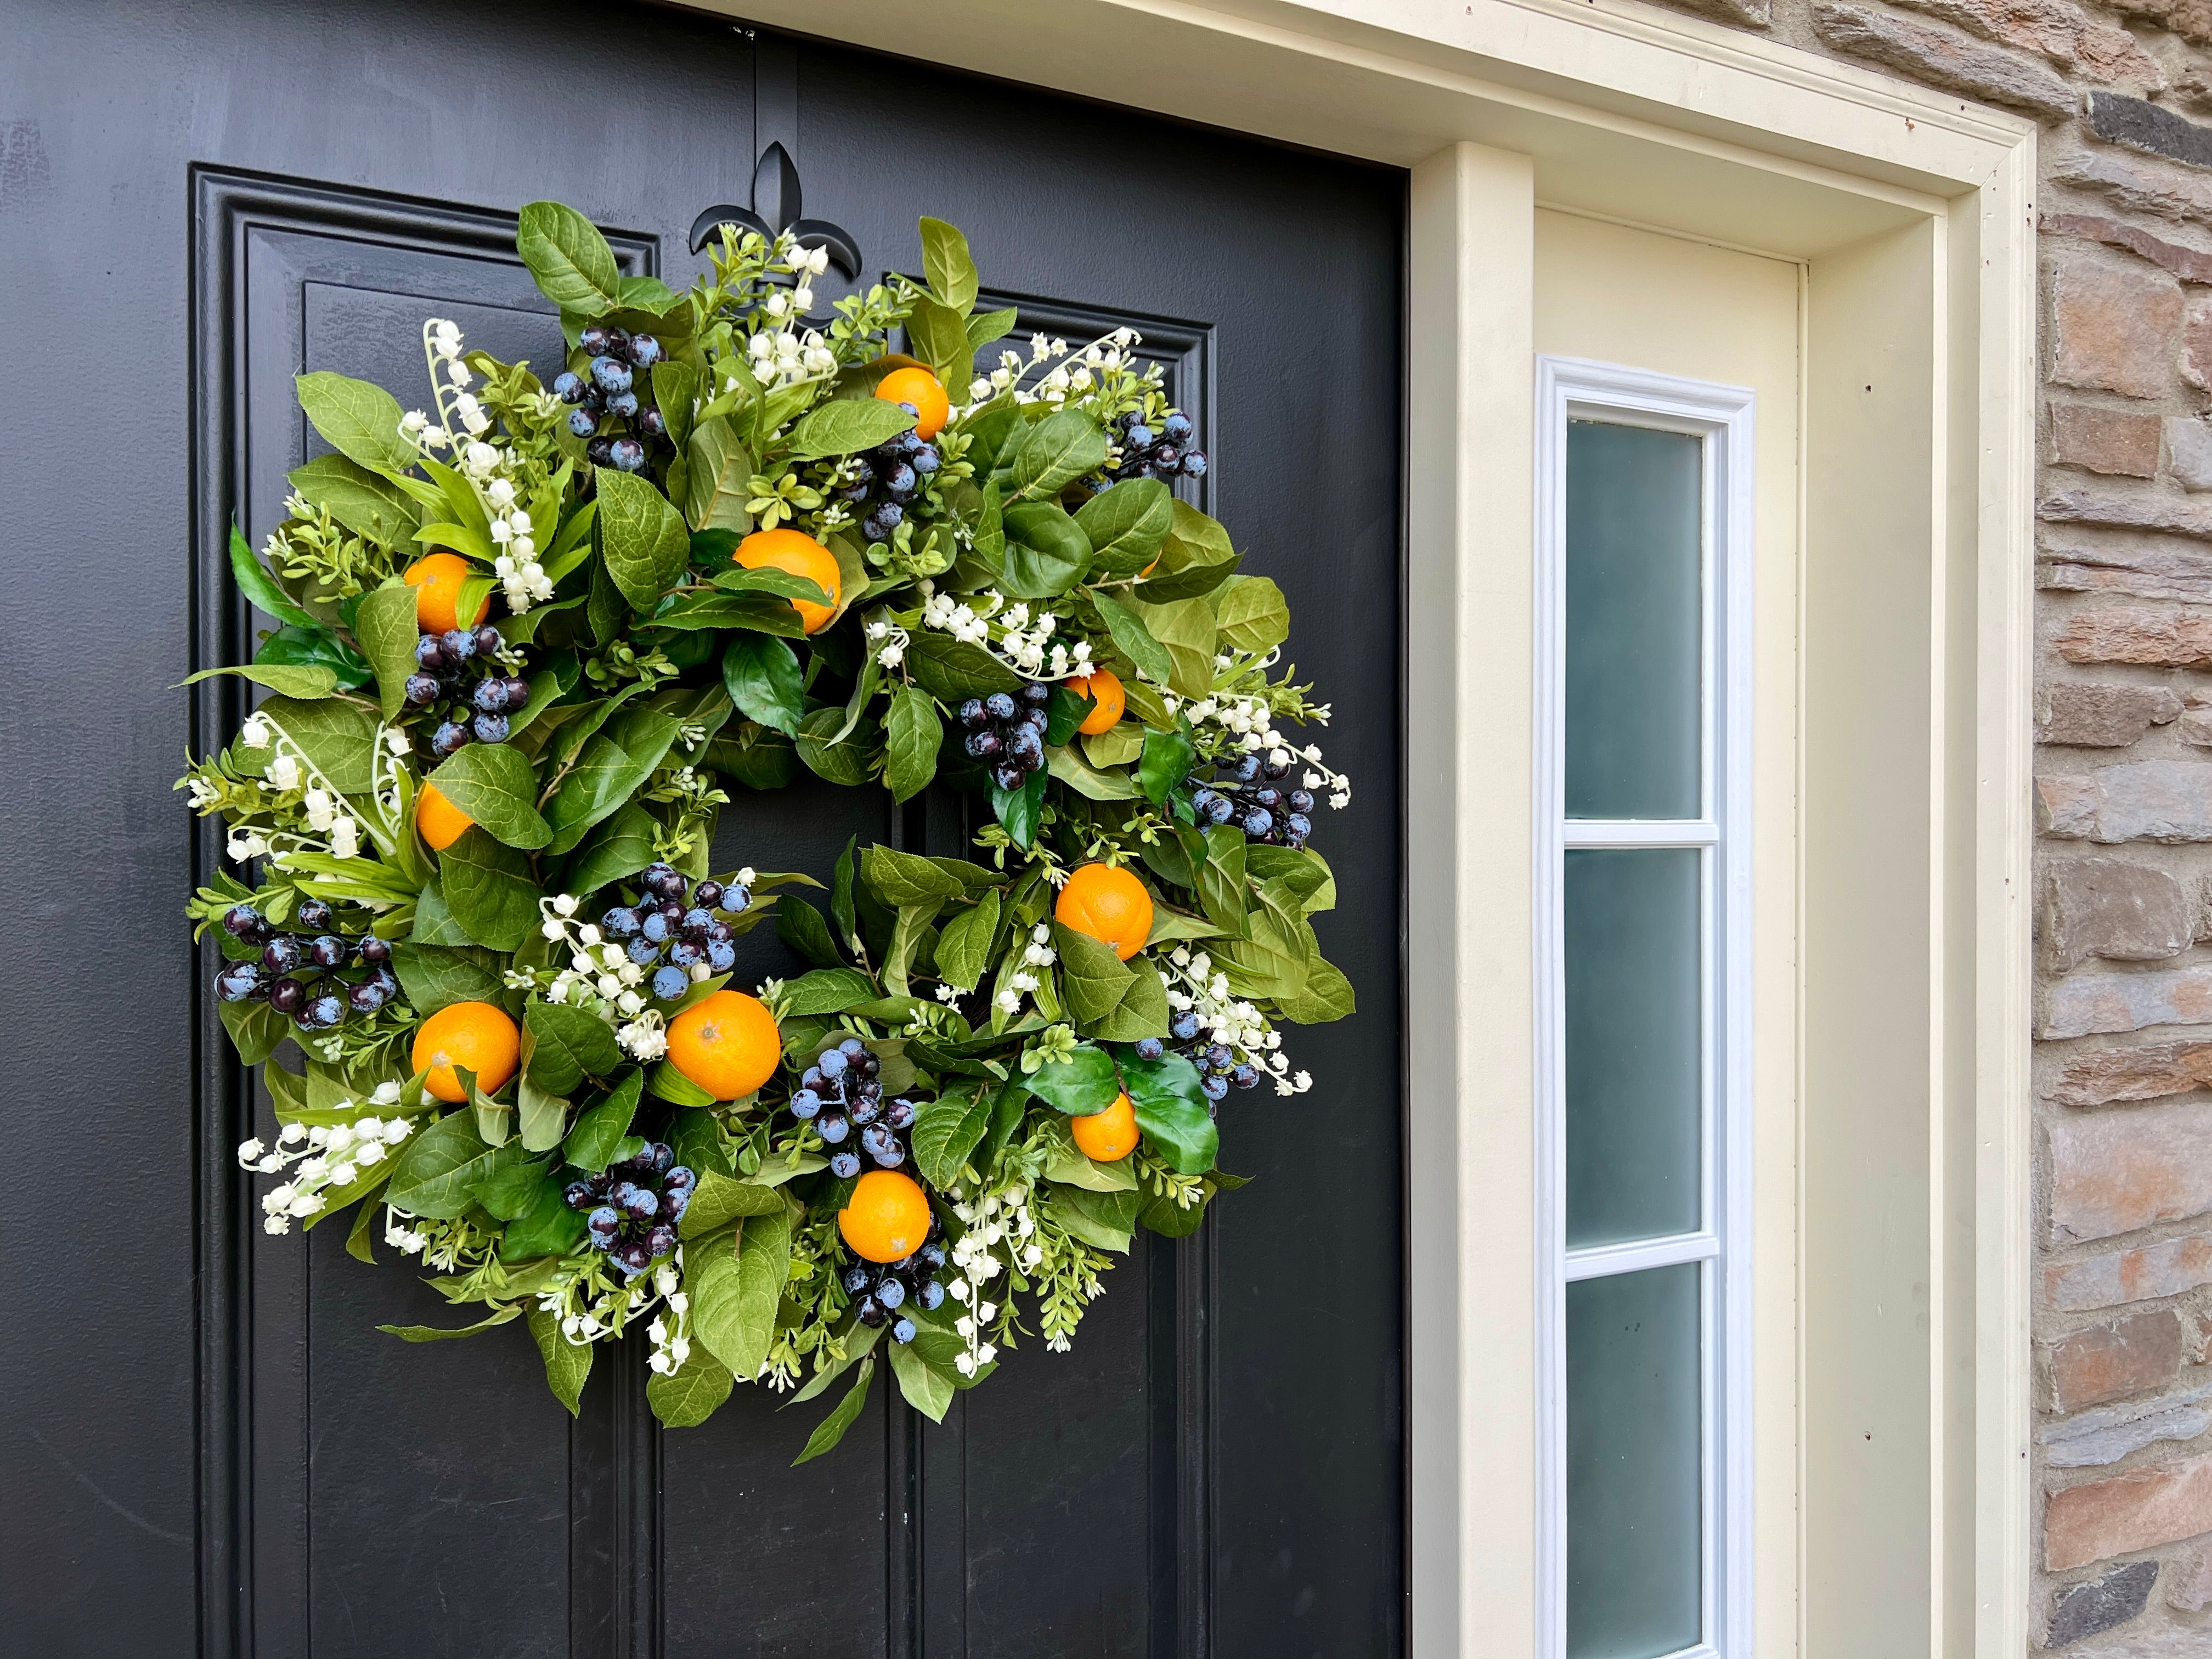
(921, 388)
(800, 554)
(1107, 1137)
(728, 1044)
(1104, 687)
(1110, 905)
(886, 1218)
(478, 1037)
(436, 579)
(440, 822)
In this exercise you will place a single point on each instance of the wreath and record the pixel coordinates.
(530, 641)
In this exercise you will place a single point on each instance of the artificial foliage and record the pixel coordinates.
(537, 638)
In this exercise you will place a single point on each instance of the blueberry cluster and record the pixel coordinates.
(1218, 1068)
(302, 975)
(456, 674)
(634, 1207)
(839, 1094)
(1251, 797)
(1007, 732)
(672, 928)
(888, 475)
(878, 1292)
(1165, 453)
(607, 391)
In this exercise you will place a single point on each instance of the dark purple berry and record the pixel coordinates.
(610, 376)
(568, 387)
(430, 654)
(644, 350)
(583, 423)
(243, 921)
(327, 950)
(281, 954)
(450, 739)
(488, 728)
(240, 981)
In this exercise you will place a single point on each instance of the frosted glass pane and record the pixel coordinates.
(1634, 627)
(1633, 1044)
(1635, 1553)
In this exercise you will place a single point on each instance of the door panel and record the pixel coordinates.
(249, 1467)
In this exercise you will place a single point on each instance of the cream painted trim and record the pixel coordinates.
(1617, 111)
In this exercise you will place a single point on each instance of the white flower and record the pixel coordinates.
(292, 1134)
(964, 1364)
(802, 298)
(777, 303)
(500, 493)
(501, 532)
(284, 772)
(250, 1150)
(345, 838)
(457, 372)
(318, 803)
(413, 422)
(480, 458)
(276, 1224)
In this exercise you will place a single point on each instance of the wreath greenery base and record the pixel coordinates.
(532, 640)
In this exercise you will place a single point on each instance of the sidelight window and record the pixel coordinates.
(1643, 883)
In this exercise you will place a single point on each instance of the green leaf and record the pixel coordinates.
(1196, 557)
(567, 1364)
(610, 769)
(441, 1333)
(720, 468)
(338, 738)
(1054, 452)
(670, 1085)
(385, 624)
(1250, 614)
(938, 334)
(1326, 996)
(493, 784)
(1303, 873)
(599, 1129)
(756, 757)
(844, 762)
(1171, 1110)
(734, 1296)
(765, 680)
(831, 1429)
(550, 1227)
(1158, 588)
(1127, 526)
(948, 266)
(1106, 1220)
(1111, 999)
(769, 580)
(616, 846)
(800, 925)
(361, 421)
(1046, 552)
(1080, 1086)
(1270, 960)
(292, 680)
(435, 977)
(947, 1131)
(1018, 810)
(1069, 1167)
(573, 265)
(1167, 760)
(260, 586)
(605, 611)
(718, 1201)
(828, 991)
(570, 1045)
(846, 426)
(439, 1167)
(762, 612)
(1185, 630)
(295, 646)
(365, 502)
(900, 879)
(1079, 774)
(912, 735)
(955, 670)
(690, 1395)
(1217, 859)
(641, 536)
(928, 1388)
(963, 945)
(488, 890)
(255, 1030)
(675, 386)
(1135, 640)
(984, 327)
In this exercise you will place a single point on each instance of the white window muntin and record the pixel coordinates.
(1721, 418)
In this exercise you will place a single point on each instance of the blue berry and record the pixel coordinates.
(619, 923)
(644, 350)
(610, 376)
(806, 1104)
(845, 1165)
(1212, 1086)
(669, 983)
(656, 928)
(1244, 1077)
(626, 455)
(832, 1064)
(1176, 428)
(999, 706)
(450, 739)
(1258, 821)
(1185, 1027)
(832, 1128)
(891, 1293)
(885, 518)
(239, 982)
(1149, 1048)
(488, 728)
(605, 1222)
(925, 460)
(902, 1329)
(643, 951)
(722, 957)
(931, 1296)
(582, 422)
(624, 404)
(568, 386)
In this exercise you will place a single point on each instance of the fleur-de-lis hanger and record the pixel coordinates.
(777, 208)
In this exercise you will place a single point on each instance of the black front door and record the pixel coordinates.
(205, 1446)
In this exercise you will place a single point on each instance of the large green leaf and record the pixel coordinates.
(1270, 960)
(260, 586)
(734, 1294)
(720, 468)
(573, 265)
(434, 977)
(1020, 811)
(692, 1393)
(1046, 551)
(488, 890)
(938, 334)
(1127, 526)
(1135, 640)
(1054, 452)
(948, 265)
(1106, 1220)
(641, 536)
(1185, 630)
(840, 761)
(255, 1030)
(548, 1228)
(616, 846)
(800, 925)
(1171, 1110)
(493, 784)
(610, 770)
(360, 419)
(719, 1199)
(315, 646)
(1079, 1085)
(385, 624)
(765, 680)
(439, 1167)
(568, 1045)
(1250, 614)
(955, 670)
(568, 1365)
(1166, 762)
(963, 945)
(928, 1387)
(912, 735)
(300, 680)
(831, 1429)
(365, 502)
(828, 991)
(846, 426)
(1112, 1000)
(900, 879)
(947, 1131)
(338, 738)
(600, 1128)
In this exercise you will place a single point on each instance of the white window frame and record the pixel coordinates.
(1568, 389)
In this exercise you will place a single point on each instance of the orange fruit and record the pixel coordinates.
(440, 822)
(1109, 1136)
(795, 551)
(1110, 905)
(1104, 687)
(886, 1218)
(921, 388)
(436, 579)
(728, 1044)
(475, 1035)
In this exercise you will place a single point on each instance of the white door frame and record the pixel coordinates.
(1913, 213)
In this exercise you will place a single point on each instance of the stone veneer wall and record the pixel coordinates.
(2123, 1443)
